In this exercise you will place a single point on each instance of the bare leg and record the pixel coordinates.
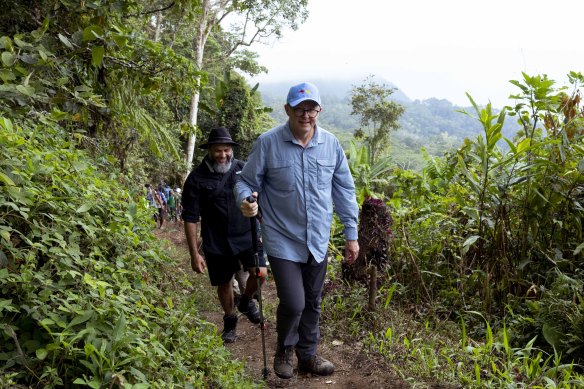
(225, 294)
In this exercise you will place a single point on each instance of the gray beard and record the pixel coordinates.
(222, 167)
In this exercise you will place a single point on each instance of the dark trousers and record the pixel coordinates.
(299, 287)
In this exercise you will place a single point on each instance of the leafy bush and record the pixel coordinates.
(82, 278)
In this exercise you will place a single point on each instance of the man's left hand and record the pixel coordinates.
(351, 250)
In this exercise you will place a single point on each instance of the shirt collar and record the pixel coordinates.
(316, 137)
(209, 164)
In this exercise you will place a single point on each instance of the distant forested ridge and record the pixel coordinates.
(434, 124)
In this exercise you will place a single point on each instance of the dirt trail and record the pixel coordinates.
(353, 369)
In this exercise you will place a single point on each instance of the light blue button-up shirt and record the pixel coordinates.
(297, 187)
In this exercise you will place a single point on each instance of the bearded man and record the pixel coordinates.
(208, 201)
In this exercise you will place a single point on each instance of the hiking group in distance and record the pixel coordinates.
(168, 201)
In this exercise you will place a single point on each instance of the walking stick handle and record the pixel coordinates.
(254, 227)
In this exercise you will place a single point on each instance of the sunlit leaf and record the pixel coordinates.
(8, 58)
(97, 53)
(66, 41)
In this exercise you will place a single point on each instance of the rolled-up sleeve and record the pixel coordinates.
(190, 200)
(251, 177)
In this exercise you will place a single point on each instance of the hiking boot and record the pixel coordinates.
(236, 299)
(229, 324)
(283, 362)
(249, 309)
(316, 365)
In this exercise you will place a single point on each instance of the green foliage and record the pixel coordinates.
(378, 115)
(368, 178)
(434, 350)
(83, 280)
(232, 104)
(486, 229)
(94, 68)
(500, 231)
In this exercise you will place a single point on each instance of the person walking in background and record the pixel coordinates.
(227, 241)
(152, 201)
(299, 170)
(171, 204)
(166, 188)
(178, 201)
(161, 205)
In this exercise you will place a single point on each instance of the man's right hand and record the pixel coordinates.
(198, 263)
(249, 209)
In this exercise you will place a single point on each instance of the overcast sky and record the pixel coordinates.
(431, 48)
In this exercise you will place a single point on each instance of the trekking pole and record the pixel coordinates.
(254, 239)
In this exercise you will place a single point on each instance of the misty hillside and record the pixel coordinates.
(435, 124)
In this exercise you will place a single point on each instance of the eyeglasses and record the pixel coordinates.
(299, 112)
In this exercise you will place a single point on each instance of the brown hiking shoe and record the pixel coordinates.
(316, 365)
(283, 362)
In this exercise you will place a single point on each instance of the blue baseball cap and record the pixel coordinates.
(302, 92)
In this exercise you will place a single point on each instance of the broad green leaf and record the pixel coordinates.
(6, 123)
(66, 41)
(97, 53)
(581, 166)
(81, 319)
(57, 114)
(41, 353)
(120, 40)
(5, 234)
(579, 248)
(119, 329)
(25, 90)
(469, 242)
(92, 33)
(5, 43)
(6, 180)
(551, 335)
(4, 304)
(47, 322)
(38, 33)
(523, 145)
(21, 43)
(83, 208)
(8, 58)
(140, 386)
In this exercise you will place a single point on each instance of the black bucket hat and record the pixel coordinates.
(219, 135)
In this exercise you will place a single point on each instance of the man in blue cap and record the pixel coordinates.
(299, 170)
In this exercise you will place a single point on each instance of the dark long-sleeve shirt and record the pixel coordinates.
(223, 226)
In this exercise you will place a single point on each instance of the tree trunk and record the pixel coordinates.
(158, 26)
(200, 41)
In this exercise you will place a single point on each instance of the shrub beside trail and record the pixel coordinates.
(86, 293)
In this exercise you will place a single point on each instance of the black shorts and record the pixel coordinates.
(222, 267)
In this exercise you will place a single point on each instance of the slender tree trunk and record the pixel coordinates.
(200, 41)
(158, 26)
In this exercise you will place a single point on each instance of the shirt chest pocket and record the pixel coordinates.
(209, 190)
(325, 169)
(280, 175)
